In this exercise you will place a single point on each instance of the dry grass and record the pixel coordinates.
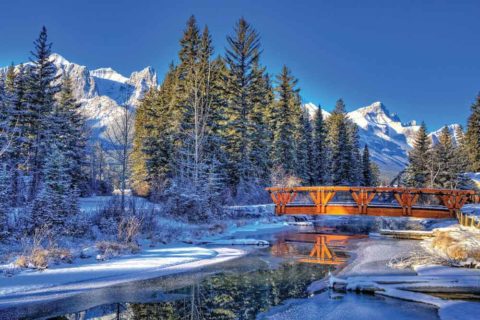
(128, 229)
(460, 245)
(39, 258)
(110, 249)
(60, 254)
(416, 258)
(21, 262)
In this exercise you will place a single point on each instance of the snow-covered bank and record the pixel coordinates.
(153, 260)
(370, 271)
(30, 286)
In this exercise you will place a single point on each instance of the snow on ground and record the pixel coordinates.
(70, 279)
(370, 272)
(84, 274)
(238, 242)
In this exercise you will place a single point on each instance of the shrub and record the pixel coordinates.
(39, 258)
(128, 229)
(21, 262)
(108, 249)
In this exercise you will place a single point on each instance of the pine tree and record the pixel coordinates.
(340, 159)
(356, 159)
(449, 160)
(39, 101)
(5, 198)
(472, 137)
(258, 132)
(367, 176)
(242, 55)
(69, 130)
(305, 159)
(139, 177)
(52, 206)
(319, 153)
(416, 174)
(285, 123)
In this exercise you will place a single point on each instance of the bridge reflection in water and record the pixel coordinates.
(328, 248)
(371, 201)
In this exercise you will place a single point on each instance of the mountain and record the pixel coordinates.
(451, 128)
(103, 92)
(388, 139)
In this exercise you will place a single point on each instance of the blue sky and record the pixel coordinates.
(421, 58)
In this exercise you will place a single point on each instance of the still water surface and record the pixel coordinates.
(269, 283)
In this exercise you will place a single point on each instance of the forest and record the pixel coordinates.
(216, 131)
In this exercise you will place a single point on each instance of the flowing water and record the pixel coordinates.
(269, 283)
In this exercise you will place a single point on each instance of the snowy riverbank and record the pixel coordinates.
(371, 271)
(191, 251)
(36, 286)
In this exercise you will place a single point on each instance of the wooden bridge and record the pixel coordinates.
(371, 201)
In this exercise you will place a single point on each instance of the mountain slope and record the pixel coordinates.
(388, 139)
(103, 92)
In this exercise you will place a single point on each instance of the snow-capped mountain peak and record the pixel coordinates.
(453, 129)
(312, 110)
(388, 139)
(58, 59)
(102, 92)
(108, 74)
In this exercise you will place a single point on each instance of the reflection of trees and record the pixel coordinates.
(235, 296)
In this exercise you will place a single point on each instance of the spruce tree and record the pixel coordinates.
(416, 174)
(356, 159)
(367, 176)
(39, 101)
(285, 128)
(69, 129)
(5, 198)
(52, 206)
(319, 153)
(305, 158)
(472, 137)
(241, 56)
(340, 150)
(258, 130)
(450, 160)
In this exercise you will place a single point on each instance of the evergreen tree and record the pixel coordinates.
(241, 57)
(319, 153)
(340, 159)
(285, 128)
(356, 159)
(305, 158)
(5, 198)
(69, 129)
(161, 124)
(139, 177)
(416, 174)
(39, 101)
(367, 175)
(448, 158)
(54, 203)
(258, 131)
(472, 137)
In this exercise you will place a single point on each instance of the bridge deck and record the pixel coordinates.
(404, 201)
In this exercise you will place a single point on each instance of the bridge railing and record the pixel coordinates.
(402, 201)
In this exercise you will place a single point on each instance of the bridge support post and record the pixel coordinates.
(407, 199)
(453, 201)
(363, 199)
(321, 198)
(281, 199)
